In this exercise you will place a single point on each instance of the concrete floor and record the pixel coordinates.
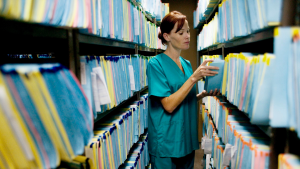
(198, 159)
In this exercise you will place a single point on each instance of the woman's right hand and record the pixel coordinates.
(204, 70)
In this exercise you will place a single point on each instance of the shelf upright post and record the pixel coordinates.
(288, 12)
(136, 48)
(76, 52)
(223, 53)
(278, 145)
(297, 21)
(71, 59)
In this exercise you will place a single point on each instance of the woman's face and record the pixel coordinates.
(181, 39)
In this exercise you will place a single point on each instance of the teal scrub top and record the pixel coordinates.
(171, 134)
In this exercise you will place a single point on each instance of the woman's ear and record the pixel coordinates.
(166, 37)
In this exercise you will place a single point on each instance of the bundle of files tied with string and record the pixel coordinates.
(250, 82)
(115, 19)
(238, 18)
(45, 116)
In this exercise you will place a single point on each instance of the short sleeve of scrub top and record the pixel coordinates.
(171, 134)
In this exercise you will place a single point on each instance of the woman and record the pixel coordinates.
(172, 123)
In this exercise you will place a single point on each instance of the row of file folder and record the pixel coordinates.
(41, 107)
(109, 80)
(138, 157)
(238, 18)
(114, 137)
(235, 142)
(209, 34)
(155, 8)
(286, 161)
(204, 8)
(246, 80)
(115, 19)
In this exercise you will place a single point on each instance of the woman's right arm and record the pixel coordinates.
(174, 100)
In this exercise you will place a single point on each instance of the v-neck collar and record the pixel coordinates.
(175, 64)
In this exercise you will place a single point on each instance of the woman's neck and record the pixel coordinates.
(172, 52)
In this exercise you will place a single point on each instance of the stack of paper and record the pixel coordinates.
(114, 137)
(288, 161)
(238, 18)
(38, 117)
(236, 143)
(204, 8)
(109, 80)
(138, 156)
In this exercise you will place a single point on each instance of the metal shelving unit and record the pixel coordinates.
(66, 45)
(283, 140)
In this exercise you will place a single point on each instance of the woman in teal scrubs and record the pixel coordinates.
(172, 127)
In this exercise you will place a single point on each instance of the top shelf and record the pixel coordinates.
(209, 16)
(147, 15)
(16, 35)
(267, 34)
(12, 28)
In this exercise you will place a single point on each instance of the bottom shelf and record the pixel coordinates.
(230, 140)
(138, 156)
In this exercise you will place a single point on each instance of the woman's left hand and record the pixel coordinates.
(211, 93)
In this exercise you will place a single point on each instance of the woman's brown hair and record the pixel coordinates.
(169, 22)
